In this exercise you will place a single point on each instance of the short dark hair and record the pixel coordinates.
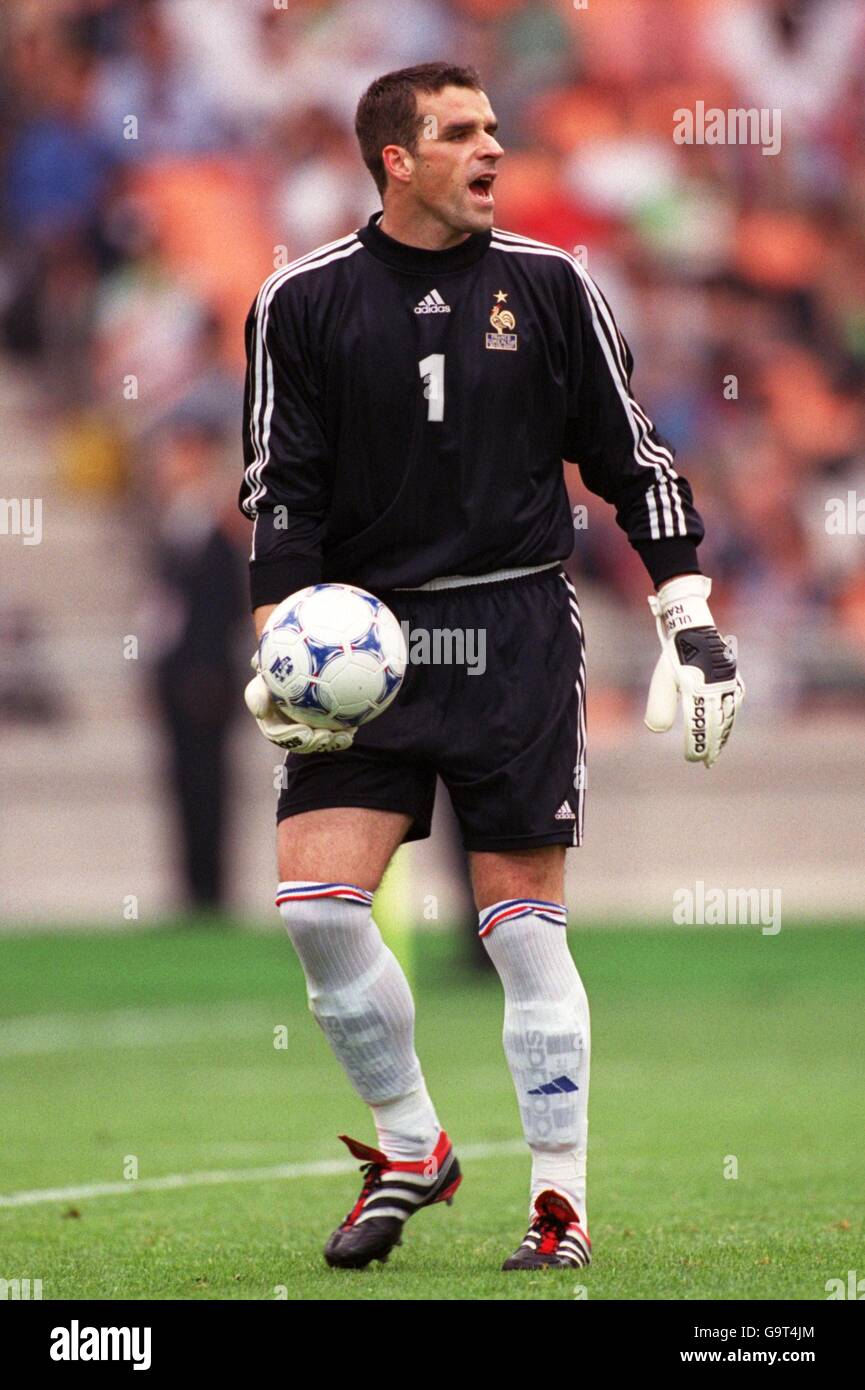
(387, 112)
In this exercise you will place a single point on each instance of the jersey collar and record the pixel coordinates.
(415, 258)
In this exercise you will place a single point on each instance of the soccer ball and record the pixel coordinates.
(333, 656)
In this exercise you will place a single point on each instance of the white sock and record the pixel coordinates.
(362, 1001)
(547, 1039)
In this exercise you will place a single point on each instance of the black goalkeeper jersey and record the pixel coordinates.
(407, 412)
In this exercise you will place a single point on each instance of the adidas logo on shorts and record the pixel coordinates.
(564, 812)
(432, 303)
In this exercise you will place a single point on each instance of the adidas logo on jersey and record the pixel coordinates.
(564, 812)
(432, 303)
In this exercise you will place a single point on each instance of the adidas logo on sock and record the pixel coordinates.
(558, 1087)
(564, 812)
(432, 303)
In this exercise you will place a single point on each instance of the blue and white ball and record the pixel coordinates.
(333, 656)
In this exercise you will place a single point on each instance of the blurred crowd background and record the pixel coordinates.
(158, 157)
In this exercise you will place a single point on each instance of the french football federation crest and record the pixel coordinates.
(504, 322)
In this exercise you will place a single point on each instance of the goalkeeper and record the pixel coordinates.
(412, 389)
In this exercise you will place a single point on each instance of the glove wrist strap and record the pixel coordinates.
(681, 603)
(685, 586)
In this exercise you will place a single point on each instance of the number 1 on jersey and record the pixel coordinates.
(432, 370)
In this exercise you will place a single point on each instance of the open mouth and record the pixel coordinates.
(482, 188)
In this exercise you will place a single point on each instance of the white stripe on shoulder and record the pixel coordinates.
(261, 365)
(306, 258)
(647, 452)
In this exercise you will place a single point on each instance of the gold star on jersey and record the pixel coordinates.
(504, 322)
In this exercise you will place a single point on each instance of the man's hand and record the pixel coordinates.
(697, 663)
(282, 730)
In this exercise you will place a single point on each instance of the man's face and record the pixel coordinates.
(454, 165)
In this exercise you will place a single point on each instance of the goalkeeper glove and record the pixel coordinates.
(284, 731)
(697, 663)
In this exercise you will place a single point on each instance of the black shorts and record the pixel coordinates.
(493, 702)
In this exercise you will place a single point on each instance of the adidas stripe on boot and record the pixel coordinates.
(554, 1239)
(391, 1193)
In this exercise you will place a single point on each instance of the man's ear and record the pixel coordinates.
(398, 162)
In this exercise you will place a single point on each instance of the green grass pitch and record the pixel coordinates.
(158, 1049)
